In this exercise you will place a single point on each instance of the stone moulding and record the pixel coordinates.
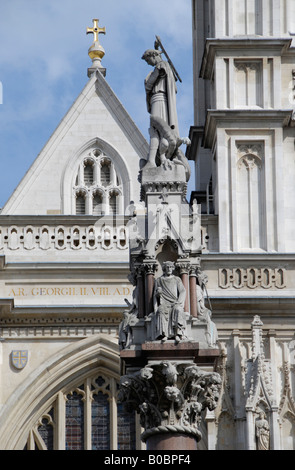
(214, 47)
(169, 186)
(267, 118)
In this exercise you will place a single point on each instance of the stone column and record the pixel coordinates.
(150, 266)
(193, 292)
(140, 290)
(250, 441)
(171, 398)
(176, 441)
(184, 271)
(238, 390)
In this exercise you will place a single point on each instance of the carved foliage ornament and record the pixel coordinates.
(170, 397)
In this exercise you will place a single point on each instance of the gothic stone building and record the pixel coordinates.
(243, 148)
(64, 255)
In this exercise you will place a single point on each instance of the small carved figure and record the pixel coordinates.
(125, 330)
(262, 432)
(205, 315)
(125, 327)
(170, 372)
(168, 321)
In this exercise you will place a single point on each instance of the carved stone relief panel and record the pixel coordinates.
(252, 278)
(248, 83)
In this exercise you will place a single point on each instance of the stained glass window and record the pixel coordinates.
(46, 430)
(86, 418)
(126, 429)
(74, 422)
(100, 422)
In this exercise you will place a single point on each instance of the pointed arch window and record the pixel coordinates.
(113, 202)
(105, 173)
(86, 417)
(88, 173)
(97, 203)
(80, 203)
(46, 430)
(98, 187)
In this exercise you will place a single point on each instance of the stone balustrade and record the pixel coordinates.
(88, 233)
(61, 235)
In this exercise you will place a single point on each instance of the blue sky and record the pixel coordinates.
(44, 61)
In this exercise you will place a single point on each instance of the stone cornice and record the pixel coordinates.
(56, 220)
(95, 266)
(243, 119)
(229, 47)
(66, 309)
(274, 311)
(251, 282)
(196, 134)
(249, 257)
(58, 322)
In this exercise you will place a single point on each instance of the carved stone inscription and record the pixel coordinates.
(252, 278)
(67, 294)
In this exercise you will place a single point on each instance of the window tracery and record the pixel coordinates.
(86, 417)
(98, 188)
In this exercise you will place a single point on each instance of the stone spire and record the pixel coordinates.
(96, 52)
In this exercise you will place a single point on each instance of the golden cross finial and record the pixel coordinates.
(95, 30)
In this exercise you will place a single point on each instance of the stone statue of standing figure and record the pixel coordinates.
(168, 320)
(205, 314)
(160, 88)
(262, 432)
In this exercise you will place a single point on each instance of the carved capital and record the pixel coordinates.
(138, 270)
(150, 266)
(183, 266)
(170, 397)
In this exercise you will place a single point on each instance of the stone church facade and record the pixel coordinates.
(243, 147)
(64, 247)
